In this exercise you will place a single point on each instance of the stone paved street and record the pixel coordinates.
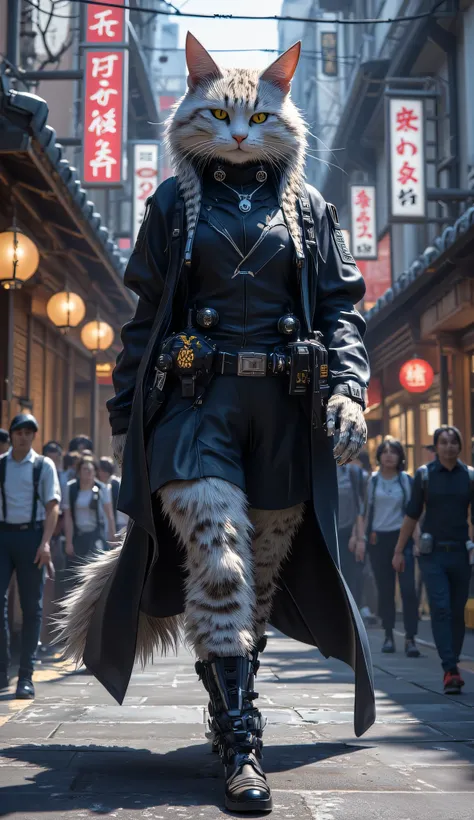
(74, 753)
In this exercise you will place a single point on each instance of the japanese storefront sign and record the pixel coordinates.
(407, 159)
(105, 96)
(416, 376)
(145, 179)
(363, 225)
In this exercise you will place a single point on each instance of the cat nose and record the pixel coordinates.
(239, 137)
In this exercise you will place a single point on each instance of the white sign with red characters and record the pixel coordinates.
(104, 117)
(145, 180)
(106, 25)
(407, 160)
(363, 224)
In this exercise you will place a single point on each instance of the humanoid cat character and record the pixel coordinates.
(229, 475)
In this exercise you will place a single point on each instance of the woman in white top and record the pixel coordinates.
(388, 494)
(88, 513)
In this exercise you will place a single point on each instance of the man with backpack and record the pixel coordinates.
(444, 491)
(29, 504)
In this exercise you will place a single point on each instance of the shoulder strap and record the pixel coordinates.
(37, 468)
(470, 471)
(73, 493)
(402, 479)
(309, 240)
(3, 471)
(371, 502)
(425, 480)
(115, 485)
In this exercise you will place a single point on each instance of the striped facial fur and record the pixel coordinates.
(240, 98)
(238, 116)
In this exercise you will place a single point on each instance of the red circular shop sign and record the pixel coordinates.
(416, 376)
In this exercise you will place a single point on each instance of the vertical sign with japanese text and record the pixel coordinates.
(407, 159)
(106, 25)
(363, 224)
(145, 179)
(329, 53)
(105, 96)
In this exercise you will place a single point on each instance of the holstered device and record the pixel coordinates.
(309, 370)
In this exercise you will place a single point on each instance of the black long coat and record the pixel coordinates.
(313, 603)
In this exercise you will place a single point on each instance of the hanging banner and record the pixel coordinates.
(106, 25)
(145, 179)
(329, 53)
(363, 224)
(406, 152)
(377, 272)
(105, 117)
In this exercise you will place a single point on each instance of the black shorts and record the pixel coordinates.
(248, 431)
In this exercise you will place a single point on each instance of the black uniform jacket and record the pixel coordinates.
(313, 603)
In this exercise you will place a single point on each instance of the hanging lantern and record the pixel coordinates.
(66, 310)
(416, 376)
(19, 258)
(97, 335)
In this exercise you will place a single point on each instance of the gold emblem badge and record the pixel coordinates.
(323, 371)
(185, 356)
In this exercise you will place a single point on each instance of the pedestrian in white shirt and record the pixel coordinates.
(29, 504)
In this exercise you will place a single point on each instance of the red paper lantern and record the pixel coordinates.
(416, 376)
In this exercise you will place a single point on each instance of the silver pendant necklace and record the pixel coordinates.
(245, 200)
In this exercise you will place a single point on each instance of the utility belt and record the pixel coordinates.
(195, 359)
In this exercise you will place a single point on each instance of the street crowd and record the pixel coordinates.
(56, 509)
(417, 529)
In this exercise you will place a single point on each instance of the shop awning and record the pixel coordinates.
(52, 205)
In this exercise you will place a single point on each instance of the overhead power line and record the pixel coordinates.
(276, 18)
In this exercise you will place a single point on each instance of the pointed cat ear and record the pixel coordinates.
(281, 72)
(199, 61)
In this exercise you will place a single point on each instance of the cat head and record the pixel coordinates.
(236, 115)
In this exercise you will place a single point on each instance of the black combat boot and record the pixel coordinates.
(237, 728)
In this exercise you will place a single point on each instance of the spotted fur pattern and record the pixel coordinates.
(194, 136)
(274, 531)
(211, 520)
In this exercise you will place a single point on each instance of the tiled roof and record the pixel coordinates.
(417, 268)
(30, 112)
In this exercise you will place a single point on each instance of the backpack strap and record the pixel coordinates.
(37, 468)
(371, 503)
(73, 493)
(309, 241)
(470, 471)
(3, 471)
(425, 480)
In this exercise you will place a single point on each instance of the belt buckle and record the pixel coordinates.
(23, 526)
(251, 364)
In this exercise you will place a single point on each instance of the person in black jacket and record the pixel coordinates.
(444, 490)
(228, 463)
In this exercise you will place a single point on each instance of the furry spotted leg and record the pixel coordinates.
(210, 518)
(274, 531)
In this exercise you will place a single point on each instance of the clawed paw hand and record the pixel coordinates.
(348, 415)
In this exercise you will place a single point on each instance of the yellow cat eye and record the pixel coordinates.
(259, 118)
(219, 113)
